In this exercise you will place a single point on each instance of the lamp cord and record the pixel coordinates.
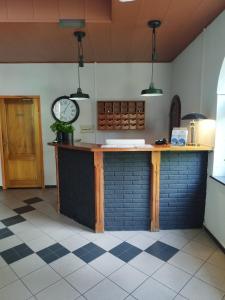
(153, 51)
(80, 59)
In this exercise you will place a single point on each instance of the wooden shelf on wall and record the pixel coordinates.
(121, 115)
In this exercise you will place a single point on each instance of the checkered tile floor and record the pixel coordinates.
(48, 256)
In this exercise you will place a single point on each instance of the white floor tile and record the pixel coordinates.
(2, 263)
(174, 240)
(198, 290)
(6, 212)
(7, 276)
(2, 225)
(107, 242)
(151, 289)
(106, 264)
(146, 263)
(123, 235)
(106, 287)
(172, 277)
(186, 262)
(9, 242)
(58, 291)
(59, 235)
(89, 235)
(21, 227)
(154, 235)
(40, 243)
(15, 290)
(199, 250)
(30, 234)
(179, 297)
(40, 279)
(74, 242)
(187, 233)
(141, 241)
(212, 275)
(130, 298)
(27, 265)
(218, 259)
(128, 278)
(84, 279)
(67, 264)
(205, 239)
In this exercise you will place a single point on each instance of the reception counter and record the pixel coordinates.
(141, 188)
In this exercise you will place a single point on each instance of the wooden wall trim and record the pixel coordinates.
(155, 190)
(4, 176)
(99, 192)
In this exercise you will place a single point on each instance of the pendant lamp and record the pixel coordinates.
(152, 90)
(79, 95)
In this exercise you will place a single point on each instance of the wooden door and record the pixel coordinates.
(21, 142)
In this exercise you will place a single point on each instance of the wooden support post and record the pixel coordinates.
(57, 178)
(99, 192)
(155, 190)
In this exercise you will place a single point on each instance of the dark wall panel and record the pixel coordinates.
(76, 181)
(182, 189)
(127, 190)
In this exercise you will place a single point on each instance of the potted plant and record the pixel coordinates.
(64, 132)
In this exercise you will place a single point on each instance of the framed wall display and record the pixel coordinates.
(121, 115)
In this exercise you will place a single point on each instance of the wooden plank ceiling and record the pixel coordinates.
(115, 31)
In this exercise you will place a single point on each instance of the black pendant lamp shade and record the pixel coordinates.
(194, 116)
(152, 90)
(79, 95)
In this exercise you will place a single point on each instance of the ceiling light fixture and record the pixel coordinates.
(79, 95)
(152, 91)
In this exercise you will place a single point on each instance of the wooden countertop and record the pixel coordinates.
(97, 148)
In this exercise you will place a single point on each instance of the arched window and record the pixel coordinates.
(219, 154)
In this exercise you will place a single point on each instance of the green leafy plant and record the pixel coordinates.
(62, 127)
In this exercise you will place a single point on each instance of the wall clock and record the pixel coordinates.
(65, 110)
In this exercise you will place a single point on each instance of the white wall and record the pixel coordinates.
(195, 79)
(102, 82)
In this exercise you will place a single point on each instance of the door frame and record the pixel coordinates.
(3, 169)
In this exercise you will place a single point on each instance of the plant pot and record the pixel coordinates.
(67, 138)
(59, 137)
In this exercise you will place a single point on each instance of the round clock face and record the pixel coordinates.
(65, 110)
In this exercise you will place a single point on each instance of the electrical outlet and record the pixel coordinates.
(86, 128)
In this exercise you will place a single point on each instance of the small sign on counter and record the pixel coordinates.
(179, 136)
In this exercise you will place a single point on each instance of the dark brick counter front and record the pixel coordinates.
(182, 189)
(127, 190)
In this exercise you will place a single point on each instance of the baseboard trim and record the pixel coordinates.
(215, 239)
(49, 186)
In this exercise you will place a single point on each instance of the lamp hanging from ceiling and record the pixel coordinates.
(152, 90)
(79, 95)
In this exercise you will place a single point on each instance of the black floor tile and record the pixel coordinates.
(24, 209)
(13, 220)
(52, 253)
(16, 253)
(33, 200)
(5, 232)
(125, 251)
(162, 250)
(89, 252)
